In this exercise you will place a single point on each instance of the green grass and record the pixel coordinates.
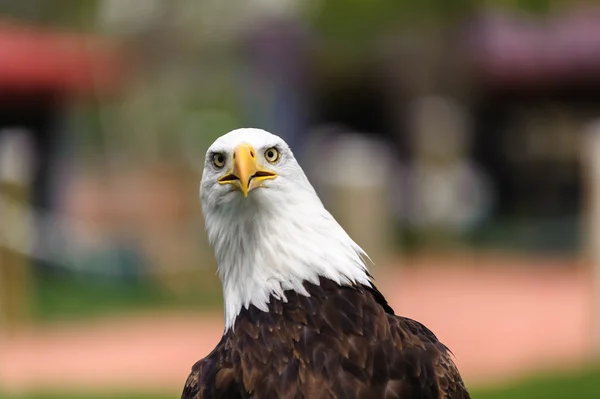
(71, 296)
(580, 385)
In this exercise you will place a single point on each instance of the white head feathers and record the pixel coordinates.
(279, 235)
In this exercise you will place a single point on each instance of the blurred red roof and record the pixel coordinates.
(37, 59)
(522, 49)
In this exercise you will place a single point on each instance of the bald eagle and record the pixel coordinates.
(303, 318)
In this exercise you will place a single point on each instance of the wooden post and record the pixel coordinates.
(14, 273)
(449, 193)
(356, 180)
(14, 266)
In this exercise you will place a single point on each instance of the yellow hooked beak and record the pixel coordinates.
(246, 174)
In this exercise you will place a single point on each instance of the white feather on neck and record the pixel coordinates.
(272, 242)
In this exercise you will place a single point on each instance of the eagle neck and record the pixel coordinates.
(268, 249)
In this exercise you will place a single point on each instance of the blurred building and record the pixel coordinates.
(40, 73)
(536, 85)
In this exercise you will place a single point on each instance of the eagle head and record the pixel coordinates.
(269, 230)
(249, 166)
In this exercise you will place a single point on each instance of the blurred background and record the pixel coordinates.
(457, 141)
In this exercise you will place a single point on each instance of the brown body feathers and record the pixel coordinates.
(340, 342)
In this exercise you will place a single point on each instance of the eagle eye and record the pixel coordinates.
(218, 160)
(272, 155)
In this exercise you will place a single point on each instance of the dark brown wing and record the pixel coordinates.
(410, 333)
(417, 347)
(191, 389)
(213, 378)
(355, 347)
(421, 365)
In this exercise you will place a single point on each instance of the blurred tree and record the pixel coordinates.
(73, 14)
